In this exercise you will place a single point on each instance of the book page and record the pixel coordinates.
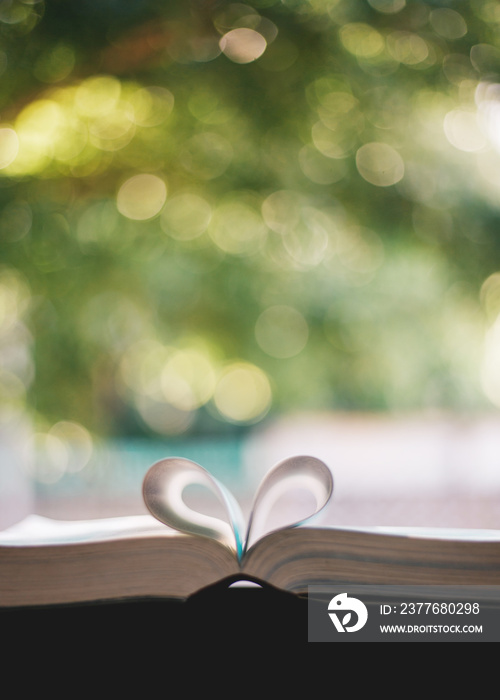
(164, 489)
(432, 533)
(166, 482)
(38, 530)
(307, 476)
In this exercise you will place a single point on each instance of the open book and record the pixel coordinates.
(177, 551)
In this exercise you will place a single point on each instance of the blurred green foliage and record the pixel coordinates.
(214, 212)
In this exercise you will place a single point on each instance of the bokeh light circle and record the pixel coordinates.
(141, 197)
(9, 146)
(380, 164)
(243, 393)
(281, 331)
(243, 45)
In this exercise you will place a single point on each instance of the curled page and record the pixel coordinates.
(166, 481)
(163, 489)
(303, 473)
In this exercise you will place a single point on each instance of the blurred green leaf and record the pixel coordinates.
(298, 201)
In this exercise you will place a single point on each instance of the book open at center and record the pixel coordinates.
(177, 550)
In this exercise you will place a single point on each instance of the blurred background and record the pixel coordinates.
(234, 232)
